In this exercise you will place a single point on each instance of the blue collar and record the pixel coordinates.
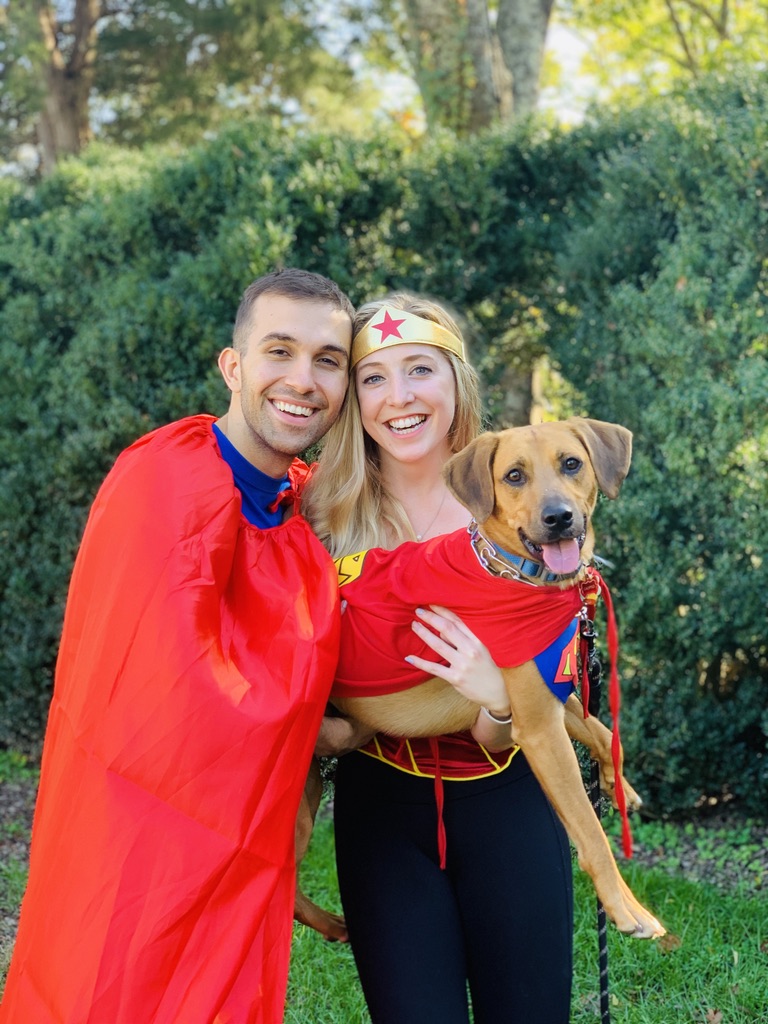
(499, 562)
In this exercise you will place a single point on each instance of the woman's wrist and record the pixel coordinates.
(498, 718)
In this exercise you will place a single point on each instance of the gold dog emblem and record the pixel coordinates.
(349, 567)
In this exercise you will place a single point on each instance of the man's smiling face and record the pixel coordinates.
(289, 382)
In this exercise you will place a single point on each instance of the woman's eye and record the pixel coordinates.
(421, 370)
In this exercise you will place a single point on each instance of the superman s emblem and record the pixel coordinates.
(566, 670)
(349, 567)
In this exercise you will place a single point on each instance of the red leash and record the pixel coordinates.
(593, 587)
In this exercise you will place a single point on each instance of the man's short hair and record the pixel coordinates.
(292, 283)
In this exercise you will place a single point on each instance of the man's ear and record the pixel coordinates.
(229, 364)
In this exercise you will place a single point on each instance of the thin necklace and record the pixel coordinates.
(426, 530)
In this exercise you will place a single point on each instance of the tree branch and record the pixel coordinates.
(719, 23)
(680, 33)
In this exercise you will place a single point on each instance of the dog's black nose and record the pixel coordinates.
(557, 517)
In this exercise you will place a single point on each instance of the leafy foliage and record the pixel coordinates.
(158, 69)
(667, 271)
(207, 57)
(659, 45)
(631, 250)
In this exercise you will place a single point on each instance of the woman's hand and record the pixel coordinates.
(470, 670)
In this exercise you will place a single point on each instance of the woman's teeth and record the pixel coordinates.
(405, 425)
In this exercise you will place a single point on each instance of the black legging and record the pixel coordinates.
(500, 917)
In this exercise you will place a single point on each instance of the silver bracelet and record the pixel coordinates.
(498, 721)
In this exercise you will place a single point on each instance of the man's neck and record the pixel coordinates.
(272, 463)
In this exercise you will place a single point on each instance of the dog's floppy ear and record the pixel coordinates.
(610, 451)
(469, 475)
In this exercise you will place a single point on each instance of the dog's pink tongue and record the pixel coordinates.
(562, 557)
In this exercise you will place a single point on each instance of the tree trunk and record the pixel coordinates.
(516, 401)
(491, 94)
(64, 124)
(457, 64)
(470, 73)
(522, 32)
(435, 45)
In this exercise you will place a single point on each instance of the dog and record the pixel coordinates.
(531, 492)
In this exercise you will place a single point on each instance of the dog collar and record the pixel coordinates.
(499, 562)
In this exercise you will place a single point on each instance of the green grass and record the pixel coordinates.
(712, 967)
(15, 770)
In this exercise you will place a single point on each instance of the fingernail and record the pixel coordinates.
(408, 659)
(419, 611)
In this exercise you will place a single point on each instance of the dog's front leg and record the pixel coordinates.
(538, 726)
(597, 738)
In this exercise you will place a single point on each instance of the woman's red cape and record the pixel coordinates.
(196, 660)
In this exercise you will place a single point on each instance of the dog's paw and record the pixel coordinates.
(633, 799)
(632, 918)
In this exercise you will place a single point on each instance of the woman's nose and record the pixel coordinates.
(400, 391)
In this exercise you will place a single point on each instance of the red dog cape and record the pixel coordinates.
(515, 621)
(195, 664)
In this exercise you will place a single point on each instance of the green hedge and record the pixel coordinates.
(666, 276)
(619, 248)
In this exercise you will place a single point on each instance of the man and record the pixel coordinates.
(197, 654)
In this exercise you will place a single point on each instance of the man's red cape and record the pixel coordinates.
(516, 621)
(195, 664)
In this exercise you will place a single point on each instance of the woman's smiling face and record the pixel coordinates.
(407, 398)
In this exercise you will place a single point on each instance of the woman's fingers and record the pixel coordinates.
(444, 621)
(433, 667)
(437, 643)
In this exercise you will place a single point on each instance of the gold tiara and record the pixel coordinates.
(390, 326)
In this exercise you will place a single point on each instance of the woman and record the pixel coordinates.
(498, 919)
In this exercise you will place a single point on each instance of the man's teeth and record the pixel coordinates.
(296, 410)
(406, 423)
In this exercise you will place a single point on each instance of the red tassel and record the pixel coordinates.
(442, 841)
(614, 700)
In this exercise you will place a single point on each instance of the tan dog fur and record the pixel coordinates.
(540, 483)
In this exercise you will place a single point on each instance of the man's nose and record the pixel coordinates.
(301, 376)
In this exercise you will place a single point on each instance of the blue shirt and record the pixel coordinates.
(258, 491)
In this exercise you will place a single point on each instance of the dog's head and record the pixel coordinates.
(533, 489)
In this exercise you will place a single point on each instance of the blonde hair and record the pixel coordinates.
(346, 502)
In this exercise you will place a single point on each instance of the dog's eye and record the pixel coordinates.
(515, 476)
(572, 464)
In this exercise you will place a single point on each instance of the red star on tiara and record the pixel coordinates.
(388, 326)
